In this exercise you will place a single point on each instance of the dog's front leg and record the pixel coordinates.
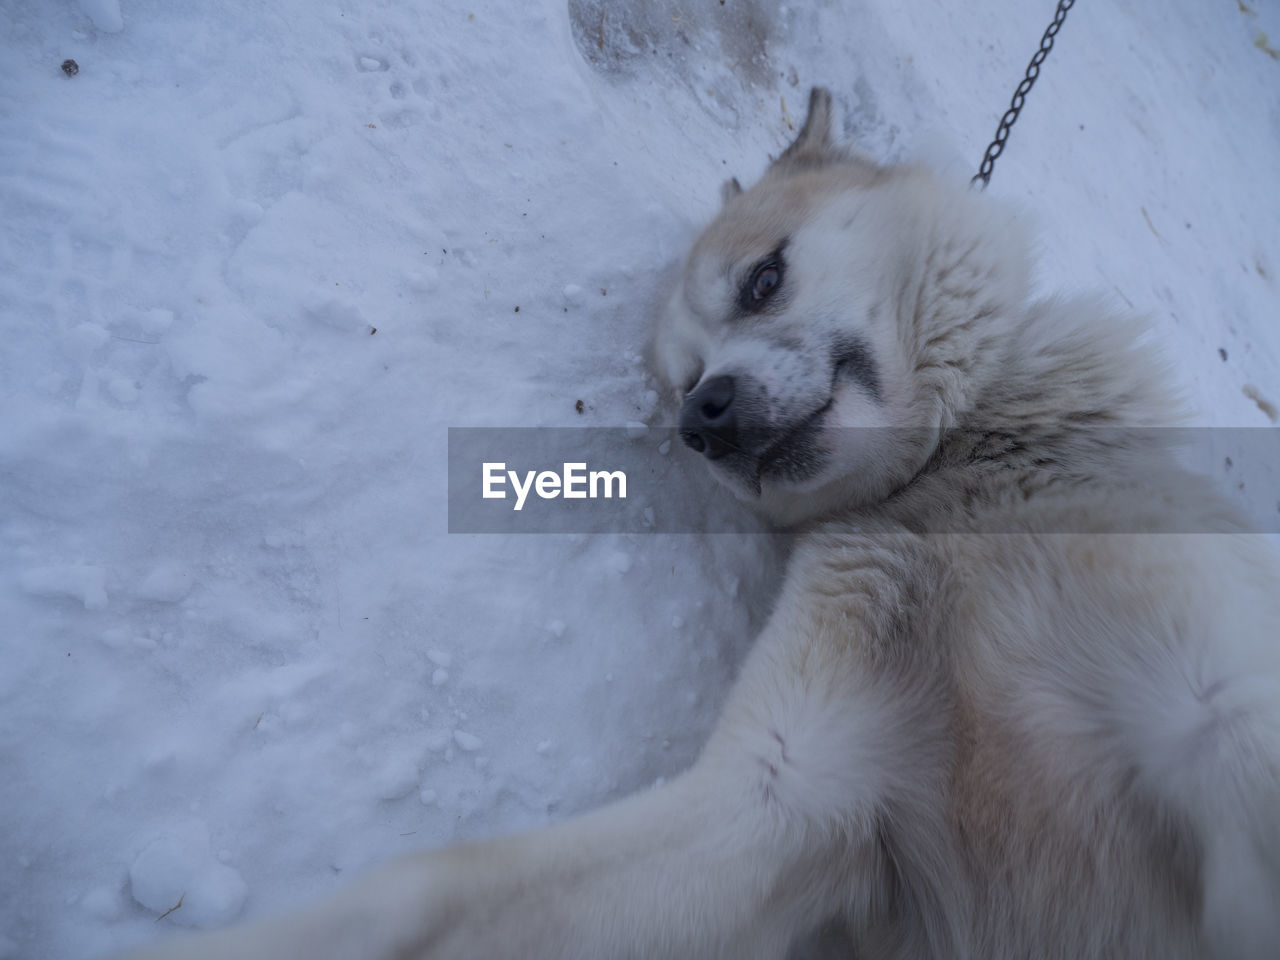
(707, 866)
(773, 831)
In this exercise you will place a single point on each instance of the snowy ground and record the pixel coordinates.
(241, 657)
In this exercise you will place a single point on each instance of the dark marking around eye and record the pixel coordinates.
(763, 281)
(852, 358)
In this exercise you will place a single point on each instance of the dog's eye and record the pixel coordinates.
(765, 280)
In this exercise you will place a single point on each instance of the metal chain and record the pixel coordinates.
(1015, 107)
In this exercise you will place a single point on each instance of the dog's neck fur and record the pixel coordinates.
(1020, 393)
(1070, 401)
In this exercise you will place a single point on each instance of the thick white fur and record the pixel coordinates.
(1058, 740)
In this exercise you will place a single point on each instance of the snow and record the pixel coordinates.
(179, 868)
(83, 582)
(467, 741)
(256, 259)
(105, 14)
(167, 583)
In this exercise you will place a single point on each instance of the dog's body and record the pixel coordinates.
(1009, 704)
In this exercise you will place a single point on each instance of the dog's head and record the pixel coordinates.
(811, 337)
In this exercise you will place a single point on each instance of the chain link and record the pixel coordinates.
(1019, 96)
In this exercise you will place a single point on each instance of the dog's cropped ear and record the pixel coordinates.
(813, 143)
(729, 189)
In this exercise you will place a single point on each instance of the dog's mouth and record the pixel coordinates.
(792, 456)
(795, 454)
(795, 449)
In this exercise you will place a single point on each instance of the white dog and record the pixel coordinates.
(1020, 696)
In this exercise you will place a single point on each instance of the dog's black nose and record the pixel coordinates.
(708, 422)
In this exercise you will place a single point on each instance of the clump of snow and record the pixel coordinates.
(85, 582)
(467, 741)
(176, 874)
